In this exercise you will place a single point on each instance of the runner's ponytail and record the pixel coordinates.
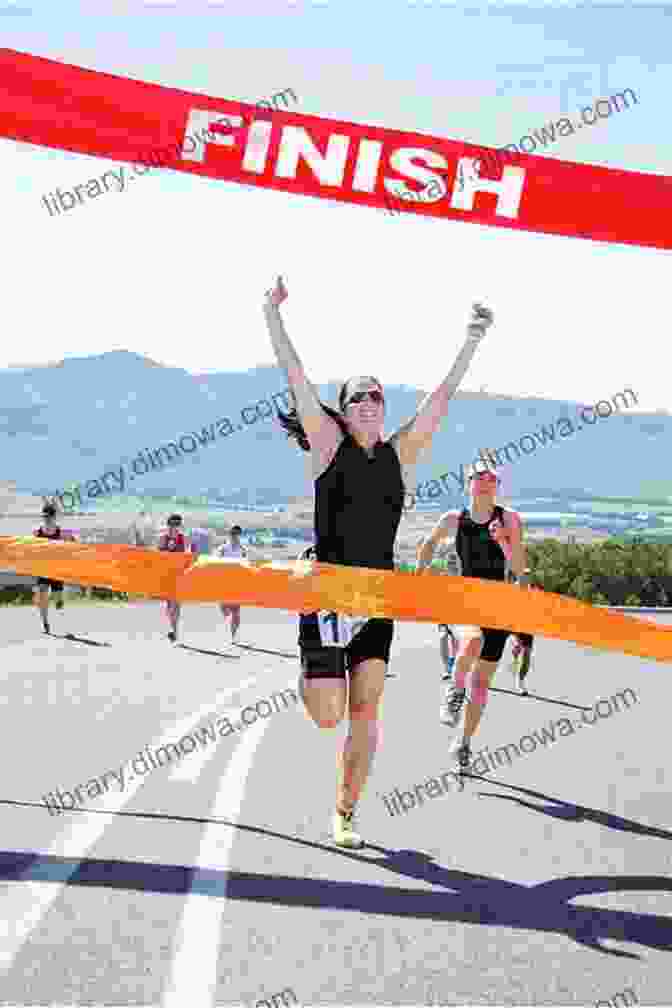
(293, 427)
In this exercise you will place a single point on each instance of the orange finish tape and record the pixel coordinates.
(304, 586)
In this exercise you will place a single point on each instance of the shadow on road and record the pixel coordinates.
(558, 808)
(79, 640)
(463, 897)
(260, 650)
(542, 699)
(214, 654)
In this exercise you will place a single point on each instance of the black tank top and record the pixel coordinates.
(479, 554)
(358, 504)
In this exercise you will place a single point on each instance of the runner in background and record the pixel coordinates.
(521, 648)
(520, 665)
(231, 550)
(489, 544)
(200, 541)
(448, 641)
(173, 540)
(142, 532)
(44, 586)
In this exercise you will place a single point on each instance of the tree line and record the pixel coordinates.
(636, 573)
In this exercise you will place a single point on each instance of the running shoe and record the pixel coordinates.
(515, 667)
(172, 636)
(45, 628)
(520, 667)
(462, 752)
(452, 706)
(449, 665)
(343, 830)
(524, 669)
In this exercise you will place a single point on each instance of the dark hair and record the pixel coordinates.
(174, 518)
(294, 428)
(236, 528)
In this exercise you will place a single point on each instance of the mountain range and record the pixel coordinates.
(71, 421)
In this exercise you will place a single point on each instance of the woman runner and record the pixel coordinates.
(359, 491)
(448, 639)
(50, 530)
(488, 541)
(521, 654)
(232, 549)
(173, 540)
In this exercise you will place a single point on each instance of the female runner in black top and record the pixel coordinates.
(50, 530)
(489, 542)
(360, 478)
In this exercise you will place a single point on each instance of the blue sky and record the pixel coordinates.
(176, 267)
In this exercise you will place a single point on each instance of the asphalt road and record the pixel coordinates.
(546, 884)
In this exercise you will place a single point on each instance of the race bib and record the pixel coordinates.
(337, 630)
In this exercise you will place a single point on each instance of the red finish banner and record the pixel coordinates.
(57, 105)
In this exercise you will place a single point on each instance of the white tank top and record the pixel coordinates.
(227, 550)
(200, 541)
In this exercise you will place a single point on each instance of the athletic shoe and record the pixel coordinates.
(343, 831)
(45, 628)
(515, 668)
(452, 706)
(462, 752)
(449, 666)
(172, 636)
(520, 667)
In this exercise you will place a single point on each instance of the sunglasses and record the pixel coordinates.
(174, 524)
(373, 394)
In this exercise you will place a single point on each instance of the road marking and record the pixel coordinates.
(25, 903)
(193, 765)
(193, 975)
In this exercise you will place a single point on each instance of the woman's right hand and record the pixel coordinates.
(277, 295)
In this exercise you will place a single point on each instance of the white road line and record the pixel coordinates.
(193, 975)
(25, 903)
(193, 764)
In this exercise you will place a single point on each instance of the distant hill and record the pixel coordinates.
(70, 422)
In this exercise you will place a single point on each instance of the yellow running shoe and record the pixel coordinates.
(343, 830)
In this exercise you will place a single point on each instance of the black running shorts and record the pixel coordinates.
(494, 642)
(374, 640)
(56, 586)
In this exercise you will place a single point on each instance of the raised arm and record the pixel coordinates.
(323, 434)
(445, 526)
(413, 437)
